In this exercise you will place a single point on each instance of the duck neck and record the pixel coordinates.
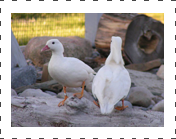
(57, 54)
(115, 57)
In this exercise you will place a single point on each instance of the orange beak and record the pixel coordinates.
(45, 48)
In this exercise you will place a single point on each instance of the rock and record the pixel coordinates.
(156, 99)
(71, 91)
(44, 112)
(147, 80)
(13, 92)
(91, 62)
(140, 96)
(159, 106)
(22, 76)
(73, 47)
(45, 86)
(34, 93)
(51, 93)
(126, 103)
(17, 57)
(23, 49)
(160, 72)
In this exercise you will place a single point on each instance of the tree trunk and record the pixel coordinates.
(144, 39)
(111, 25)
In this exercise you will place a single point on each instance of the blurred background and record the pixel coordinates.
(28, 25)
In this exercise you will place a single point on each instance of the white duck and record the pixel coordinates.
(112, 82)
(68, 71)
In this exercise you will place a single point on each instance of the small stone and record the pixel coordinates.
(159, 106)
(147, 80)
(140, 96)
(51, 93)
(160, 72)
(126, 103)
(34, 93)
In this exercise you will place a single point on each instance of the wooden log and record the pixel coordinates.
(144, 40)
(146, 66)
(111, 25)
(45, 86)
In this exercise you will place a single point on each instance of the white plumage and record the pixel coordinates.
(68, 71)
(112, 82)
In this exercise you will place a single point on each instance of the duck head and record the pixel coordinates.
(54, 45)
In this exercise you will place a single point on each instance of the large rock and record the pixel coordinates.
(73, 47)
(23, 76)
(140, 96)
(34, 93)
(44, 112)
(147, 80)
(17, 57)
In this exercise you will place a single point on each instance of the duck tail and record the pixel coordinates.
(89, 81)
(106, 108)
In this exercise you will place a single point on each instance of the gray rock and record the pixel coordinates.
(51, 93)
(44, 112)
(159, 106)
(126, 103)
(147, 80)
(34, 93)
(70, 91)
(17, 57)
(23, 76)
(140, 96)
(13, 92)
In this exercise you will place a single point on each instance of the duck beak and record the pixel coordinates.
(45, 48)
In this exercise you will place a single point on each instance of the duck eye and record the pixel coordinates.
(53, 42)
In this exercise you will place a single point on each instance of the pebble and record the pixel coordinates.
(159, 106)
(140, 96)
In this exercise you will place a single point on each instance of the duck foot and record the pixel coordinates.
(96, 103)
(80, 95)
(62, 102)
(122, 107)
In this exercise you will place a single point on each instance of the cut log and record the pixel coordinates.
(111, 25)
(144, 39)
(146, 66)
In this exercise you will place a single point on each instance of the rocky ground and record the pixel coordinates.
(32, 106)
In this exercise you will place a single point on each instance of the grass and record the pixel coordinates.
(56, 25)
(28, 25)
